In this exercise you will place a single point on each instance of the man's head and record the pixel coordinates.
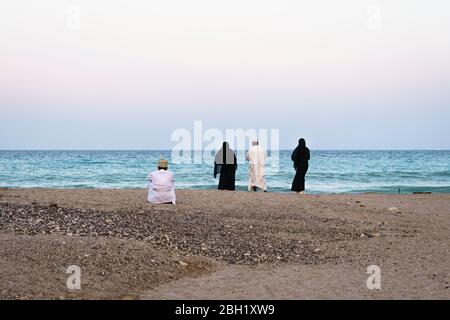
(163, 164)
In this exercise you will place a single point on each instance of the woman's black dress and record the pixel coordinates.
(225, 164)
(300, 156)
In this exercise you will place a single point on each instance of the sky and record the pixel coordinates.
(350, 74)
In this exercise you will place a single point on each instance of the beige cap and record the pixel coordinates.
(163, 163)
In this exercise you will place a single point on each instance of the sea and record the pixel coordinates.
(330, 171)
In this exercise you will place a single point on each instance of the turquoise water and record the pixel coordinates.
(330, 171)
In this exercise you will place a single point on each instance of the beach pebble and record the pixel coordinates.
(394, 210)
(182, 263)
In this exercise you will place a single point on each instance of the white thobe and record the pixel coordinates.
(161, 187)
(256, 157)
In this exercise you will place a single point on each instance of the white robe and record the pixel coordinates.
(161, 187)
(256, 157)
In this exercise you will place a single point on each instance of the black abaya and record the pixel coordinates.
(298, 184)
(225, 164)
(300, 157)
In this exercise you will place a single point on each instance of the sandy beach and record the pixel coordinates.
(222, 245)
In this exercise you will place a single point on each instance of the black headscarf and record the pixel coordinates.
(302, 143)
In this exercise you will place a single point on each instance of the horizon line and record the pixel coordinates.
(282, 149)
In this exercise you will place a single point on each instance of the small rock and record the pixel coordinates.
(374, 235)
(182, 263)
(394, 210)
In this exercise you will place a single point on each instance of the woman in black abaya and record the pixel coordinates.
(225, 164)
(300, 157)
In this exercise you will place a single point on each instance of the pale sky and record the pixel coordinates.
(350, 74)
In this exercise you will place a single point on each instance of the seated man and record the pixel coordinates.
(161, 188)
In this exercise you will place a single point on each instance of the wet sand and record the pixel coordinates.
(214, 245)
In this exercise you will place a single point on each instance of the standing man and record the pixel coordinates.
(256, 157)
(161, 188)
